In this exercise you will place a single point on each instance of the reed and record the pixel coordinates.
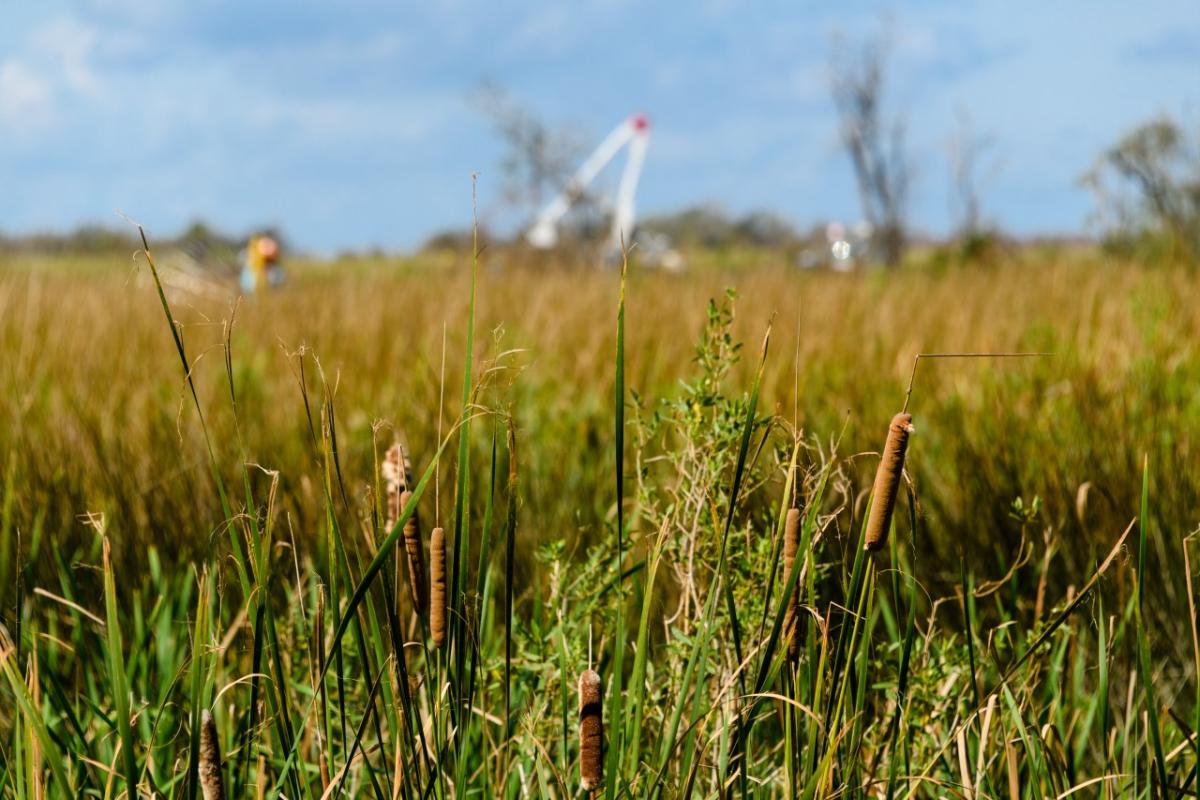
(437, 586)
(212, 784)
(887, 482)
(397, 476)
(591, 731)
(414, 550)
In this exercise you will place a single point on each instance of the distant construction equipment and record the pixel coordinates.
(635, 132)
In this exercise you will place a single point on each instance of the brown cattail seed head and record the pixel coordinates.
(212, 784)
(397, 476)
(791, 545)
(591, 730)
(414, 548)
(437, 586)
(887, 481)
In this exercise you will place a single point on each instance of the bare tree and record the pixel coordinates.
(538, 158)
(973, 164)
(876, 144)
(1157, 184)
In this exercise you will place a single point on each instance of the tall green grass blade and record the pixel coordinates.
(696, 655)
(969, 633)
(616, 745)
(355, 744)
(459, 638)
(910, 635)
(33, 717)
(117, 677)
(7, 546)
(510, 546)
(482, 595)
(638, 680)
(1143, 644)
(199, 672)
(1102, 672)
(187, 372)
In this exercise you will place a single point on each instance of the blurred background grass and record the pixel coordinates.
(92, 417)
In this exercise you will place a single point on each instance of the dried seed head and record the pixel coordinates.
(212, 784)
(437, 586)
(397, 475)
(414, 548)
(887, 481)
(791, 545)
(591, 730)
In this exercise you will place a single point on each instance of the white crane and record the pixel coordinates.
(634, 131)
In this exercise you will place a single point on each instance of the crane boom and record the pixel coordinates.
(634, 131)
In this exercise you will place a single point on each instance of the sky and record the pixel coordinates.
(352, 125)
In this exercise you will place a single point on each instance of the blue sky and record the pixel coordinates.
(350, 124)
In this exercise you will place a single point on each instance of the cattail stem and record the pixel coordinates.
(791, 545)
(591, 731)
(437, 586)
(887, 481)
(212, 783)
(414, 548)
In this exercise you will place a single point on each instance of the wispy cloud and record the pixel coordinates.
(1173, 44)
(52, 70)
(67, 45)
(26, 98)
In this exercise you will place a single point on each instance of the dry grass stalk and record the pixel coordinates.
(212, 784)
(887, 481)
(414, 548)
(791, 545)
(33, 681)
(591, 731)
(437, 586)
(260, 791)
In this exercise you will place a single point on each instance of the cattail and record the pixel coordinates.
(415, 549)
(212, 784)
(437, 586)
(887, 481)
(791, 614)
(397, 475)
(591, 730)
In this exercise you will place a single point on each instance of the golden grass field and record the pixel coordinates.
(95, 417)
(999, 646)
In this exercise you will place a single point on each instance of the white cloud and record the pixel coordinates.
(407, 121)
(26, 98)
(917, 43)
(48, 74)
(551, 29)
(68, 45)
(809, 84)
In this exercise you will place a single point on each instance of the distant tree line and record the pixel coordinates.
(199, 240)
(85, 240)
(713, 228)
